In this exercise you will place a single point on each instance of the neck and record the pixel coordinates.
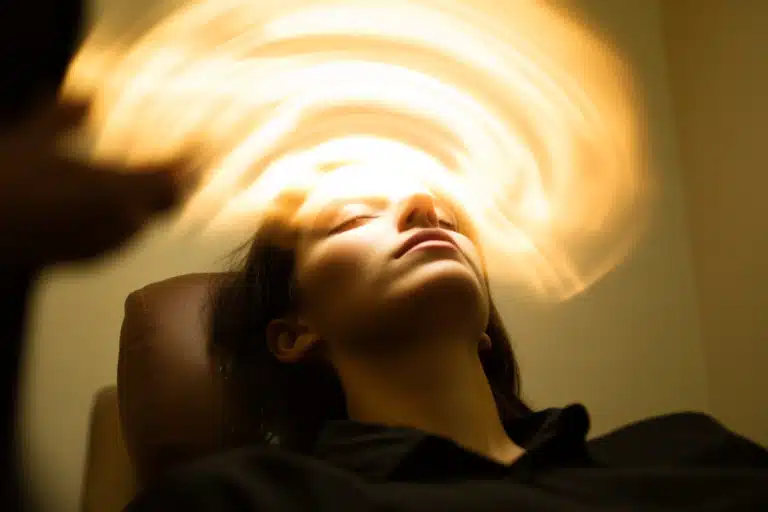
(442, 391)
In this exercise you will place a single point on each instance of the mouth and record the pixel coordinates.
(426, 237)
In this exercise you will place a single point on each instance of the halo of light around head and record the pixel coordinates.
(528, 123)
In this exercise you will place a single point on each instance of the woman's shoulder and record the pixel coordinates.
(682, 439)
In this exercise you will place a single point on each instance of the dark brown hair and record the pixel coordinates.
(287, 404)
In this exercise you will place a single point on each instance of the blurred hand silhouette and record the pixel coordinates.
(55, 209)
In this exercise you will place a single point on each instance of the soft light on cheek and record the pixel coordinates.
(329, 273)
(519, 113)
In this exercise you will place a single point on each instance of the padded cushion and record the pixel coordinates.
(170, 395)
(109, 480)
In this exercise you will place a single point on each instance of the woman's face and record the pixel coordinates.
(360, 286)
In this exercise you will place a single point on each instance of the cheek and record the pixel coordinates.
(337, 280)
(475, 260)
(333, 269)
(477, 263)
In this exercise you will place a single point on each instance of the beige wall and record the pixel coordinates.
(628, 349)
(719, 76)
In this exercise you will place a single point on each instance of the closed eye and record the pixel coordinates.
(351, 223)
(447, 224)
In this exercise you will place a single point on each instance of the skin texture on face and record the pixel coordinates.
(359, 296)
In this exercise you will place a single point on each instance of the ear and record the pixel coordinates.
(485, 342)
(289, 340)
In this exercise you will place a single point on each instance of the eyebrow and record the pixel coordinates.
(334, 206)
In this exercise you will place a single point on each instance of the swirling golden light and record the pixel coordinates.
(527, 122)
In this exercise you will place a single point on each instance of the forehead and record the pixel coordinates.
(350, 182)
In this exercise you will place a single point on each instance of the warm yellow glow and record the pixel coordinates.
(527, 122)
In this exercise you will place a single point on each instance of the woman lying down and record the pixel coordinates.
(365, 344)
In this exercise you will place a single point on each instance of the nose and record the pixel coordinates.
(417, 210)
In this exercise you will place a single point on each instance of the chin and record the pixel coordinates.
(434, 295)
(443, 285)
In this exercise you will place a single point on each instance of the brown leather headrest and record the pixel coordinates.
(171, 406)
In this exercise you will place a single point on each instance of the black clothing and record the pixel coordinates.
(14, 291)
(37, 41)
(676, 462)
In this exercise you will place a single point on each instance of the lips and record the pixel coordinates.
(425, 235)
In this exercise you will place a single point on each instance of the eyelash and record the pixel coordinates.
(443, 223)
(448, 225)
(347, 222)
